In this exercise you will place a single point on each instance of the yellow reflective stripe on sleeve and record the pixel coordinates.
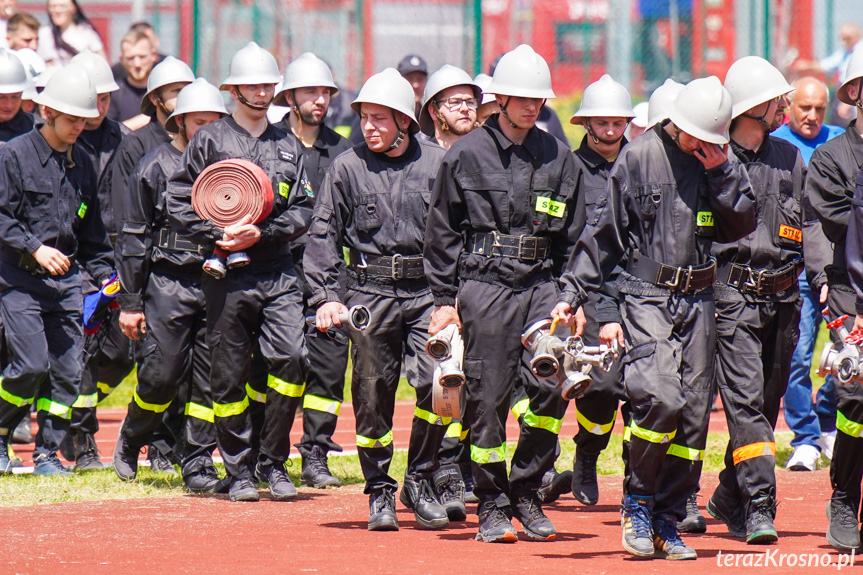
(86, 400)
(284, 388)
(546, 422)
(454, 429)
(14, 399)
(431, 418)
(754, 450)
(651, 436)
(595, 428)
(154, 407)
(686, 452)
(324, 404)
(520, 408)
(255, 395)
(54, 408)
(843, 424)
(229, 409)
(484, 455)
(105, 388)
(371, 443)
(199, 412)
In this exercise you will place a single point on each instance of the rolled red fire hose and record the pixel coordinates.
(229, 190)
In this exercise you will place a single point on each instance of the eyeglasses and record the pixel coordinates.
(454, 104)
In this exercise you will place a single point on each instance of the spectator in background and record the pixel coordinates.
(415, 70)
(7, 10)
(22, 31)
(68, 33)
(814, 425)
(137, 57)
(118, 69)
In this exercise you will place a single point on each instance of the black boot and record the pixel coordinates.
(382, 510)
(694, 521)
(554, 485)
(125, 459)
(449, 488)
(843, 531)
(86, 453)
(759, 520)
(730, 510)
(585, 489)
(528, 511)
(495, 525)
(316, 472)
(417, 494)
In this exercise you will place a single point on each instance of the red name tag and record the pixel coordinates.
(791, 233)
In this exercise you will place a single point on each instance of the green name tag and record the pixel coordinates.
(703, 219)
(284, 189)
(82, 210)
(550, 207)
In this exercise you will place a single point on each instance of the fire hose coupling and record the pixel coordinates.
(447, 349)
(358, 318)
(842, 363)
(224, 194)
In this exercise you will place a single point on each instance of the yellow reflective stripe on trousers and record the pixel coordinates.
(154, 407)
(105, 388)
(255, 395)
(13, 399)
(595, 428)
(454, 430)
(520, 408)
(229, 409)
(843, 424)
(546, 422)
(753, 450)
(686, 452)
(431, 418)
(483, 455)
(651, 436)
(199, 412)
(54, 408)
(86, 400)
(627, 434)
(371, 443)
(284, 388)
(319, 403)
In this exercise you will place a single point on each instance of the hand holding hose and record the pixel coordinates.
(240, 236)
(328, 314)
(442, 316)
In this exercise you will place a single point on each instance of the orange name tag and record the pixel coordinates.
(791, 233)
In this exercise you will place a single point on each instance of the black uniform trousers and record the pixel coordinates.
(44, 338)
(494, 318)
(669, 378)
(846, 467)
(399, 329)
(174, 361)
(754, 343)
(266, 304)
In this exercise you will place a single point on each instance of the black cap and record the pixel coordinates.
(413, 63)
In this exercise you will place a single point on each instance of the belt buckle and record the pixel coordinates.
(362, 264)
(685, 288)
(675, 281)
(754, 283)
(521, 256)
(397, 263)
(495, 243)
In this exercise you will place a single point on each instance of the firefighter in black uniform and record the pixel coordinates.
(99, 139)
(163, 305)
(829, 188)
(114, 354)
(14, 121)
(261, 300)
(500, 226)
(49, 223)
(671, 192)
(374, 201)
(306, 89)
(757, 302)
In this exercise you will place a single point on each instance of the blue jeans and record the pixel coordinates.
(805, 419)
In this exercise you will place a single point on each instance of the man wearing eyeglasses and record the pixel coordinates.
(450, 102)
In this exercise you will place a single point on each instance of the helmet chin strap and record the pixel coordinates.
(242, 99)
(596, 139)
(760, 119)
(506, 114)
(400, 137)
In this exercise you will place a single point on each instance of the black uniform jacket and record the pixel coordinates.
(20, 124)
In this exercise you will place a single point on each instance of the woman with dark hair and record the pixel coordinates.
(68, 33)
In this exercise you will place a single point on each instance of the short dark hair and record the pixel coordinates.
(141, 26)
(22, 19)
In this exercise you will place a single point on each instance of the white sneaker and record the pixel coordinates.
(805, 458)
(825, 442)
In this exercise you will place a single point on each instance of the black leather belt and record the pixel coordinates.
(760, 282)
(27, 262)
(395, 267)
(523, 248)
(677, 279)
(171, 241)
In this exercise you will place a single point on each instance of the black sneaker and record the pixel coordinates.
(759, 521)
(243, 490)
(528, 511)
(467, 477)
(206, 481)
(274, 474)
(694, 522)
(495, 525)
(50, 466)
(584, 486)
(667, 542)
(732, 513)
(842, 529)
(417, 494)
(125, 458)
(382, 510)
(449, 489)
(87, 454)
(23, 431)
(554, 485)
(636, 522)
(316, 473)
(159, 462)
